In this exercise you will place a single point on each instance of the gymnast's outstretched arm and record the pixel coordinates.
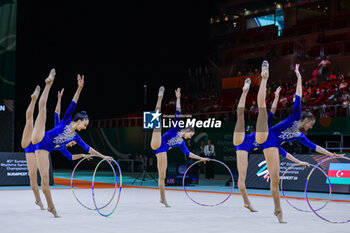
(58, 107)
(293, 159)
(178, 99)
(322, 150)
(79, 89)
(299, 89)
(275, 101)
(194, 156)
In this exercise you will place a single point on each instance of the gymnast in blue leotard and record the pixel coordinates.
(173, 138)
(59, 136)
(29, 148)
(289, 129)
(53, 139)
(63, 148)
(286, 130)
(245, 144)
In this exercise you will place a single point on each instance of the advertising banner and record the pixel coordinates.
(14, 170)
(295, 178)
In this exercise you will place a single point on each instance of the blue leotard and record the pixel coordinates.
(172, 139)
(287, 130)
(249, 143)
(30, 148)
(61, 134)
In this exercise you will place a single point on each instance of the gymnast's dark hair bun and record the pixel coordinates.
(190, 129)
(82, 115)
(307, 115)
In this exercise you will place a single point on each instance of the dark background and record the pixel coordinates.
(118, 45)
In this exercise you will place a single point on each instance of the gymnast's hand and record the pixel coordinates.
(277, 92)
(70, 144)
(297, 70)
(204, 160)
(178, 93)
(80, 81)
(108, 158)
(88, 157)
(304, 164)
(338, 155)
(60, 93)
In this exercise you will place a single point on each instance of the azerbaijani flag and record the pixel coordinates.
(339, 173)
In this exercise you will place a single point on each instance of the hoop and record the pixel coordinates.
(214, 160)
(307, 199)
(74, 194)
(330, 188)
(120, 187)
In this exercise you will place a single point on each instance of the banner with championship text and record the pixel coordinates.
(14, 170)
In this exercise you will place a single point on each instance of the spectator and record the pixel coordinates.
(254, 108)
(337, 94)
(313, 81)
(323, 110)
(343, 84)
(346, 96)
(340, 76)
(189, 146)
(332, 77)
(200, 151)
(307, 85)
(191, 149)
(209, 151)
(346, 104)
(323, 69)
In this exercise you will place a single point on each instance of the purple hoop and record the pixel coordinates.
(214, 160)
(330, 188)
(71, 183)
(120, 187)
(307, 199)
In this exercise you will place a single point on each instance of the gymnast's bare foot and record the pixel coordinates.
(279, 216)
(161, 91)
(265, 70)
(49, 80)
(36, 93)
(164, 202)
(246, 86)
(40, 204)
(53, 211)
(250, 207)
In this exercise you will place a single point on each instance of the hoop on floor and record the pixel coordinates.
(120, 187)
(307, 198)
(74, 194)
(330, 188)
(201, 204)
